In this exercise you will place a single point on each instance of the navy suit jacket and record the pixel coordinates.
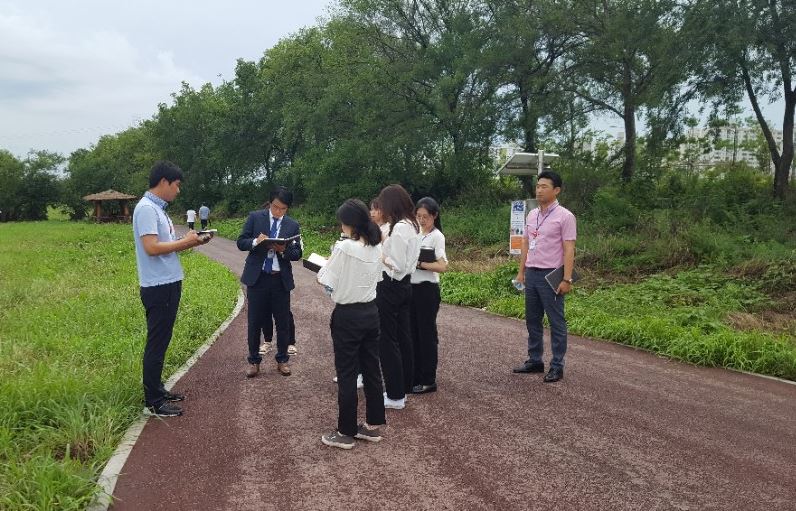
(260, 222)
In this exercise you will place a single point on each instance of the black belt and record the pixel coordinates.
(546, 270)
(356, 305)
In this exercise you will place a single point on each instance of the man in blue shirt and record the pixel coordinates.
(160, 276)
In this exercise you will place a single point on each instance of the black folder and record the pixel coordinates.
(427, 255)
(555, 277)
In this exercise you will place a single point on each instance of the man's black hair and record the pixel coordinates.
(284, 195)
(552, 176)
(163, 169)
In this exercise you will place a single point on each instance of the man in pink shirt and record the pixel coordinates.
(549, 242)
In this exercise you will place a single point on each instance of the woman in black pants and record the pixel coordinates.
(351, 273)
(425, 295)
(401, 247)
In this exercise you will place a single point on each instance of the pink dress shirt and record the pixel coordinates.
(549, 230)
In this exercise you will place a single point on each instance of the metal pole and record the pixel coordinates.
(540, 156)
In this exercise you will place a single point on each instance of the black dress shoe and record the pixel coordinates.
(530, 367)
(422, 389)
(554, 374)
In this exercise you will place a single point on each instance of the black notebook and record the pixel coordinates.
(555, 277)
(427, 255)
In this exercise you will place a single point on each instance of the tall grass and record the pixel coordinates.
(72, 332)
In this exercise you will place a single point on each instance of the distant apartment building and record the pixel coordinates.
(706, 147)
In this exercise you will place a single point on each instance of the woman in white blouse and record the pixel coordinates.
(425, 295)
(401, 248)
(352, 272)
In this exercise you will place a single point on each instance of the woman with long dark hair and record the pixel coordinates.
(378, 219)
(401, 248)
(352, 273)
(425, 295)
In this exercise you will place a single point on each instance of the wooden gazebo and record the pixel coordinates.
(110, 195)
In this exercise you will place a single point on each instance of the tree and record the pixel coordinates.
(633, 58)
(120, 162)
(430, 55)
(28, 187)
(529, 44)
(749, 48)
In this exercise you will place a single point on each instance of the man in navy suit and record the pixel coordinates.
(268, 275)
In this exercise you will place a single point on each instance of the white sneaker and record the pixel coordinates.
(265, 347)
(291, 350)
(360, 382)
(395, 404)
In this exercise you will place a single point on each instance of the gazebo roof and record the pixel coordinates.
(109, 195)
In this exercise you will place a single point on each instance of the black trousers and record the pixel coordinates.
(268, 329)
(268, 297)
(355, 336)
(425, 306)
(395, 340)
(160, 305)
(204, 222)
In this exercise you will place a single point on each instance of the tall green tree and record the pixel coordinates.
(430, 54)
(749, 48)
(29, 186)
(529, 44)
(634, 56)
(186, 132)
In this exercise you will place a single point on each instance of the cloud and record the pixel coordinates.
(64, 87)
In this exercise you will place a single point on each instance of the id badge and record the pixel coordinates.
(532, 246)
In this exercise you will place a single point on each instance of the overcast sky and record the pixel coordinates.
(71, 72)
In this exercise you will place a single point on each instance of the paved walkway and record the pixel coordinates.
(624, 430)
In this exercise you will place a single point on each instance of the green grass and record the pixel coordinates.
(72, 332)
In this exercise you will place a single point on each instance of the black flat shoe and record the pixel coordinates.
(529, 367)
(422, 389)
(554, 374)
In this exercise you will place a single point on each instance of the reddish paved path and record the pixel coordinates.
(624, 430)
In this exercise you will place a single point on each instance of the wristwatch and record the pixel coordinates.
(568, 281)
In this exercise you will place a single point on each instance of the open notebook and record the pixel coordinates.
(314, 262)
(278, 241)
